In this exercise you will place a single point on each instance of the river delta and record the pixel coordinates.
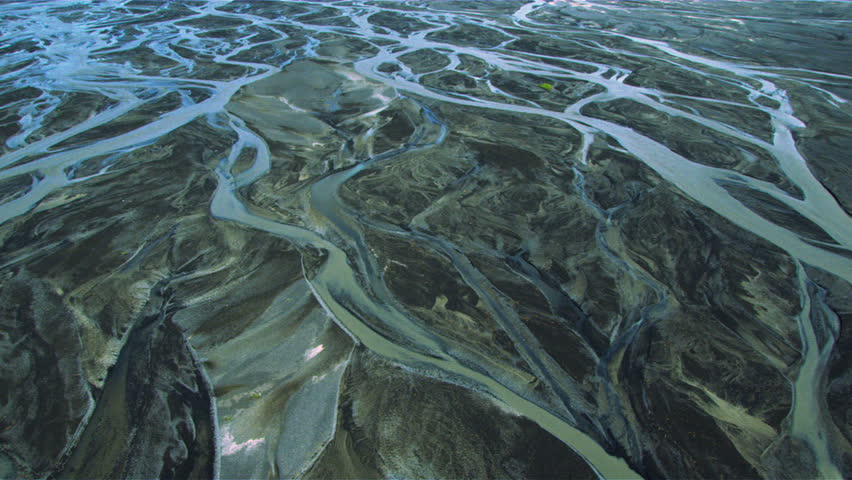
(425, 239)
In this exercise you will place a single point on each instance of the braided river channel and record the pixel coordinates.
(425, 239)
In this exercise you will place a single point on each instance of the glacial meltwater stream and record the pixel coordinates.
(52, 51)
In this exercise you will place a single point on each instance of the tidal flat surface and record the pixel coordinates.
(425, 239)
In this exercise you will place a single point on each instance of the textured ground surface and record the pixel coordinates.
(427, 239)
